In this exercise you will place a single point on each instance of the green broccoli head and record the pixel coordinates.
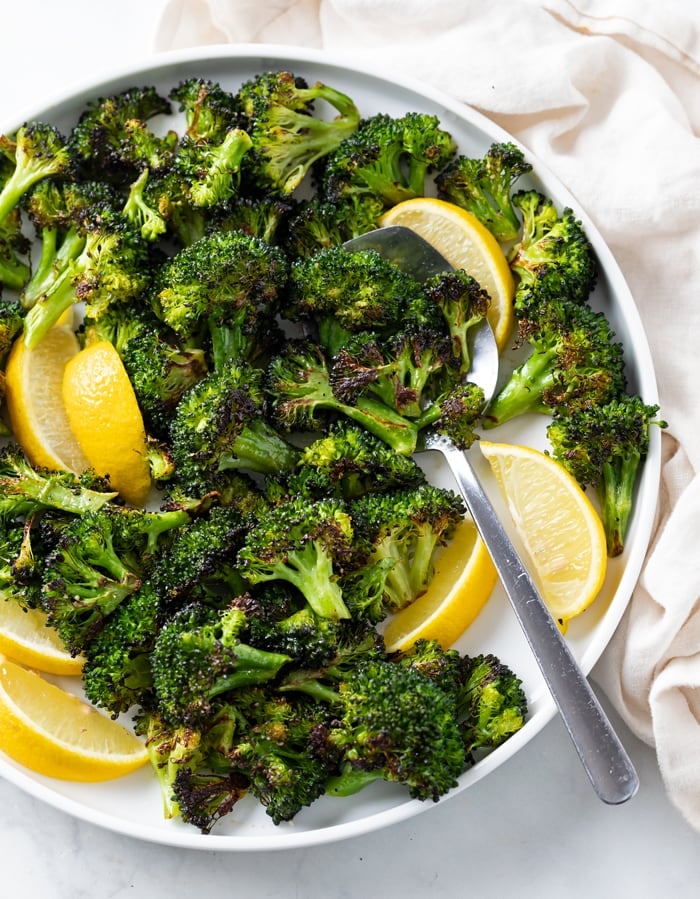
(483, 187)
(603, 446)
(288, 137)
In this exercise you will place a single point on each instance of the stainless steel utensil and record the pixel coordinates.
(605, 760)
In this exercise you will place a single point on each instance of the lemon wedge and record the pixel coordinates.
(105, 418)
(559, 527)
(33, 397)
(467, 244)
(26, 638)
(463, 581)
(54, 733)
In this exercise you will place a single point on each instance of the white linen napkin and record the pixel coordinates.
(607, 94)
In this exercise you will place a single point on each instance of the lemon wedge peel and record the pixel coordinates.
(54, 733)
(466, 244)
(558, 526)
(463, 581)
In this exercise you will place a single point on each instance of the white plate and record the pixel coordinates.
(132, 805)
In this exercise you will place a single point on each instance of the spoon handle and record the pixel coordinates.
(605, 760)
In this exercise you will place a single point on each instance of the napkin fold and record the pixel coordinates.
(607, 94)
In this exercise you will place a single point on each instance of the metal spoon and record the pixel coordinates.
(605, 760)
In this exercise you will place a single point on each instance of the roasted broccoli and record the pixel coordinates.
(483, 187)
(308, 544)
(113, 140)
(288, 137)
(347, 462)
(603, 446)
(97, 561)
(36, 150)
(553, 260)
(25, 489)
(225, 285)
(219, 424)
(201, 653)
(161, 370)
(575, 361)
(405, 527)
(396, 725)
(387, 158)
(302, 398)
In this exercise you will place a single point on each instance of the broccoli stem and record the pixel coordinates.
(398, 432)
(259, 448)
(616, 490)
(48, 309)
(253, 666)
(350, 781)
(523, 391)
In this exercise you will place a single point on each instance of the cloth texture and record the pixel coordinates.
(607, 94)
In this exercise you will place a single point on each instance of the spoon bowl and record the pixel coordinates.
(603, 756)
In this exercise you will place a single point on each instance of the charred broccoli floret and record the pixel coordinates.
(575, 361)
(483, 187)
(603, 448)
(307, 544)
(405, 527)
(225, 285)
(553, 260)
(200, 653)
(299, 387)
(219, 424)
(399, 726)
(387, 158)
(288, 138)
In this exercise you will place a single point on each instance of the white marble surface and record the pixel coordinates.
(532, 829)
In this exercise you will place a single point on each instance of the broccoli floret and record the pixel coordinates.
(445, 667)
(358, 290)
(203, 797)
(405, 527)
(117, 668)
(300, 392)
(198, 565)
(98, 560)
(347, 462)
(456, 414)
(25, 489)
(463, 305)
(483, 187)
(403, 371)
(161, 371)
(219, 424)
(603, 448)
(575, 361)
(491, 703)
(210, 171)
(11, 323)
(278, 756)
(112, 139)
(227, 285)
(37, 151)
(210, 110)
(307, 544)
(553, 260)
(388, 158)
(263, 217)
(319, 224)
(112, 266)
(288, 138)
(146, 217)
(62, 213)
(15, 268)
(399, 726)
(200, 653)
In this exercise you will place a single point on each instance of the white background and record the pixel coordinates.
(534, 828)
